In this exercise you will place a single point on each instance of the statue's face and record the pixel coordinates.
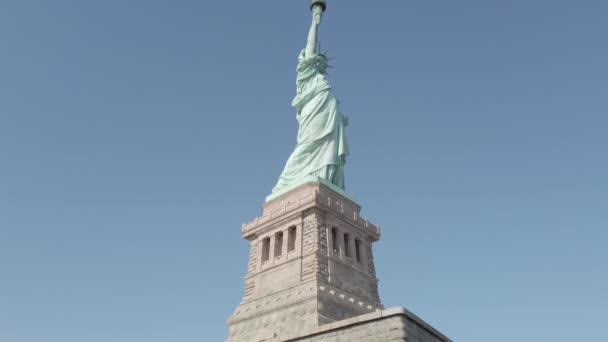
(322, 65)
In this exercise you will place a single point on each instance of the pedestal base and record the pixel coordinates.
(391, 325)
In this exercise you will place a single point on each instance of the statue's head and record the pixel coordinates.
(322, 63)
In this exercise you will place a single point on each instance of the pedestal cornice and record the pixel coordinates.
(312, 194)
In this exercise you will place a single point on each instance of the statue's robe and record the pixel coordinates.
(321, 148)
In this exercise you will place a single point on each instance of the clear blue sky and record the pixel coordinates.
(137, 136)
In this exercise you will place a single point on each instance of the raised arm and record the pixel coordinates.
(311, 45)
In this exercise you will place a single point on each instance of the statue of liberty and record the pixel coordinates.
(321, 147)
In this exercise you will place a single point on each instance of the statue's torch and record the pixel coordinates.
(318, 3)
(318, 7)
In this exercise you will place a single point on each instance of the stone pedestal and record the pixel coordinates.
(311, 274)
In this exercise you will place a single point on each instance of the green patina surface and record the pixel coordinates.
(321, 147)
